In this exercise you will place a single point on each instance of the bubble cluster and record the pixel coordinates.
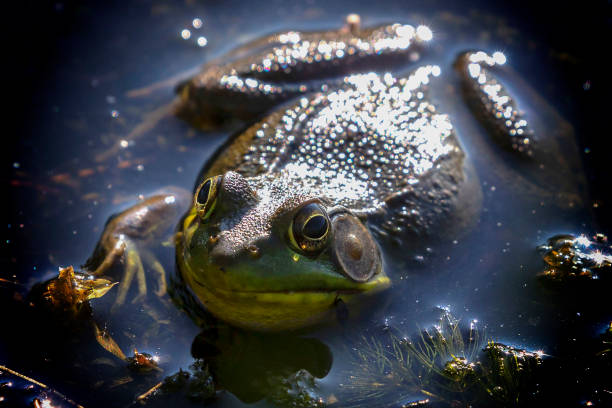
(187, 33)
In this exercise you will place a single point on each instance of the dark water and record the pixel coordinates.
(75, 66)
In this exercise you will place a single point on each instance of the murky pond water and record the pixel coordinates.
(84, 151)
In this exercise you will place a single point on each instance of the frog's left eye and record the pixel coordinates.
(206, 196)
(310, 229)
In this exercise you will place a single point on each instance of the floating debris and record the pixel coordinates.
(417, 404)
(69, 291)
(142, 362)
(571, 257)
(17, 389)
(506, 374)
(197, 385)
(108, 343)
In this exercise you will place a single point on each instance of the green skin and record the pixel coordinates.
(268, 283)
(239, 248)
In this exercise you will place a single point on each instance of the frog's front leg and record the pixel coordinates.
(128, 238)
(540, 145)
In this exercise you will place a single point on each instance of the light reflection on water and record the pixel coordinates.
(485, 275)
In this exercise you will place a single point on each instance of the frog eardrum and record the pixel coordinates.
(356, 253)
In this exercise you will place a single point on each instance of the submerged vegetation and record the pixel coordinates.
(443, 366)
(299, 390)
(568, 257)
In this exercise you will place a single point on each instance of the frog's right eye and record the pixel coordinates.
(310, 229)
(206, 196)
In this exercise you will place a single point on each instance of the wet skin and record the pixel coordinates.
(287, 218)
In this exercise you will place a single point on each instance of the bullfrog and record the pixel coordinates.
(288, 219)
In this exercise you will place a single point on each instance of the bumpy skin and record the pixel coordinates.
(540, 145)
(268, 71)
(374, 147)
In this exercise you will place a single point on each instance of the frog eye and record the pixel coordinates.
(206, 196)
(310, 229)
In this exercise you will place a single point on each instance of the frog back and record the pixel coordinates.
(374, 145)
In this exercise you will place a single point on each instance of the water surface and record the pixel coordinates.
(75, 101)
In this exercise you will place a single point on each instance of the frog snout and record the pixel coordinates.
(222, 254)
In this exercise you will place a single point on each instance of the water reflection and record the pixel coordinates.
(251, 365)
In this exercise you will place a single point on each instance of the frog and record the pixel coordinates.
(290, 219)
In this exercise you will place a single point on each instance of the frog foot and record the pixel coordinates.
(125, 247)
(126, 252)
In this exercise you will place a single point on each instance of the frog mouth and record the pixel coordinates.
(380, 283)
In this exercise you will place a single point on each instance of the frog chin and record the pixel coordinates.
(275, 310)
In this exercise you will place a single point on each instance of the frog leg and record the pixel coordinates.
(148, 123)
(539, 144)
(492, 103)
(125, 247)
(160, 273)
(109, 260)
(133, 268)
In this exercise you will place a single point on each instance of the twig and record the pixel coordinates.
(151, 391)
(41, 385)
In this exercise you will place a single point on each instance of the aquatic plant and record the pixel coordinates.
(392, 367)
(196, 384)
(445, 364)
(506, 375)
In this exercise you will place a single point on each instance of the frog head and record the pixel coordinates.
(274, 258)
